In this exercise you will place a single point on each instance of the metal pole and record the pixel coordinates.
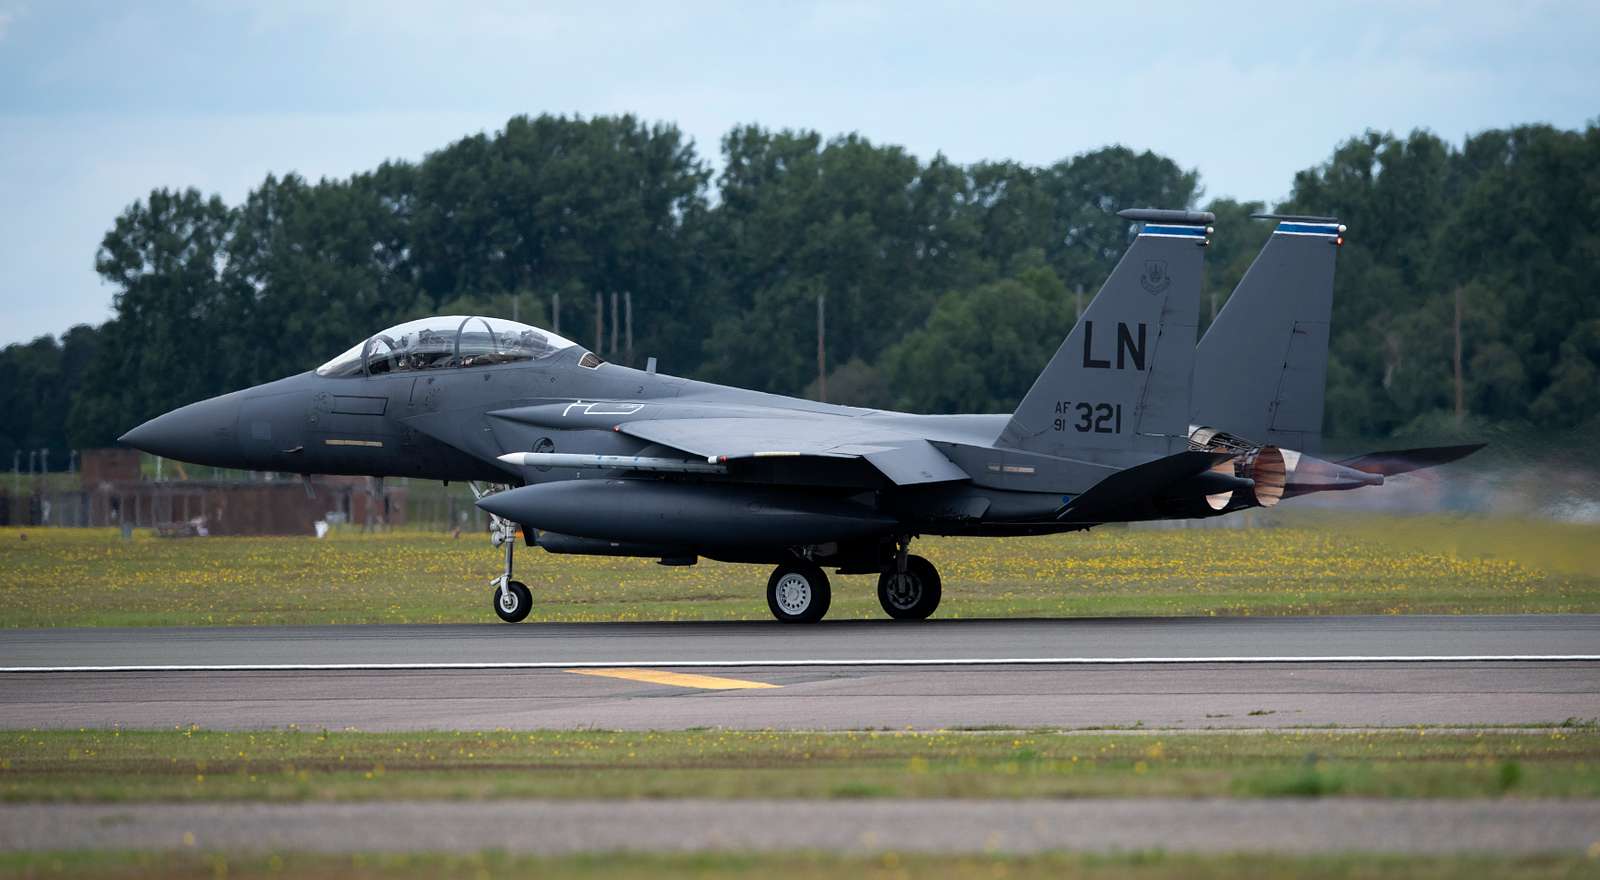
(822, 348)
(555, 313)
(614, 322)
(599, 329)
(1461, 400)
(627, 310)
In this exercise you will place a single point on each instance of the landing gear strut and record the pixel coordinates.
(512, 599)
(798, 592)
(909, 587)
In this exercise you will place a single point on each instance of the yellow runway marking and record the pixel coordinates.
(677, 679)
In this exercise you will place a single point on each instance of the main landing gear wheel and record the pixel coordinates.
(514, 602)
(912, 594)
(798, 593)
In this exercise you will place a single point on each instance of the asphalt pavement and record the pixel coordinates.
(1181, 672)
(855, 642)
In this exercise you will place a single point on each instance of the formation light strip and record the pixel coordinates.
(1174, 231)
(1329, 230)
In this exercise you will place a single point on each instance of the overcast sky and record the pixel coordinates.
(100, 102)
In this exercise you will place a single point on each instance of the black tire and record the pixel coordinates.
(798, 593)
(517, 592)
(916, 595)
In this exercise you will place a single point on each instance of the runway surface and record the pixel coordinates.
(1203, 696)
(1018, 684)
(850, 641)
(1284, 826)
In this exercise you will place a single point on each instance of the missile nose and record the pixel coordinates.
(200, 433)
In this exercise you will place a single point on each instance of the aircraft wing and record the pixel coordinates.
(904, 458)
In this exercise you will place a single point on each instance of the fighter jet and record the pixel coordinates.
(1261, 373)
(580, 456)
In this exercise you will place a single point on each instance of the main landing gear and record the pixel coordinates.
(908, 588)
(911, 594)
(798, 592)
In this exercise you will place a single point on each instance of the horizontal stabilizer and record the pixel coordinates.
(1404, 461)
(1137, 487)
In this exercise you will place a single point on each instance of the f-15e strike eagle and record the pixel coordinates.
(1130, 420)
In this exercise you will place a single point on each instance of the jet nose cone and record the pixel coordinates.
(200, 433)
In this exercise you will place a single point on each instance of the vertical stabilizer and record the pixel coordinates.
(1120, 381)
(1262, 369)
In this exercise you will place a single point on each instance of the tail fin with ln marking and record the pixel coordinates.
(1120, 381)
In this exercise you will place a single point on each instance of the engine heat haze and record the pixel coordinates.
(1128, 421)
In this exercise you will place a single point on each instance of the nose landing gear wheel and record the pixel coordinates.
(912, 594)
(513, 603)
(798, 593)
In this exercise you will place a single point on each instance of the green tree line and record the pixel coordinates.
(947, 286)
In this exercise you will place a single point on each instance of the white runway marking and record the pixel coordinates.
(955, 661)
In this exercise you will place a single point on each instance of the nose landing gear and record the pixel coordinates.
(512, 599)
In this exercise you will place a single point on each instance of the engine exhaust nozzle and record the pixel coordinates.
(1267, 469)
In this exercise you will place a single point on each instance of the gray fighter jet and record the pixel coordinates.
(585, 457)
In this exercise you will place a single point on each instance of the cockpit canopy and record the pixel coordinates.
(448, 342)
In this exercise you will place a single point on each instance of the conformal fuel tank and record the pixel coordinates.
(685, 514)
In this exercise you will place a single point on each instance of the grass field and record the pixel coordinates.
(1320, 564)
(285, 766)
(801, 866)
